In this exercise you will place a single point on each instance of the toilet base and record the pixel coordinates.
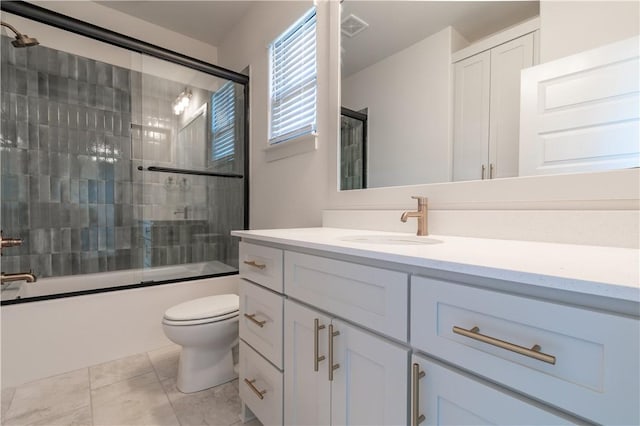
(196, 373)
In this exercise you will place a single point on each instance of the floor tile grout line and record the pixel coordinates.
(124, 380)
(90, 396)
(13, 395)
(155, 371)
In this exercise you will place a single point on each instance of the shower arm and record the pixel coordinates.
(12, 28)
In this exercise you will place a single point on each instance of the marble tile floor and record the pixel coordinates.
(137, 390)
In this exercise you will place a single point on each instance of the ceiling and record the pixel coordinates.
(395, 25)
(207, 21)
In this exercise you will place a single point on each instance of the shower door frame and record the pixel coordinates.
(76, 26)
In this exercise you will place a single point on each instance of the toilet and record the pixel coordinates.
(207, 330)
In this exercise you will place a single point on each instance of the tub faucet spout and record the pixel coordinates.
(421, 215)
(20, 276)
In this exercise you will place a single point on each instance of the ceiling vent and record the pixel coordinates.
(352, 25)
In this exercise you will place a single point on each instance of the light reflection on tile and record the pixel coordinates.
(215, 406)
(50, 397)
(118, 370)
(136, 401)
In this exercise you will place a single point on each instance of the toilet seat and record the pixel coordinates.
(203, 310)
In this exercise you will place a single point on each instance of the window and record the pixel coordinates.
(293, 81)
(223, 123)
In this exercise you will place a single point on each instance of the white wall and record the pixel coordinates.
(568, 27)
(42, 339)
(290, 192)
(408, 96)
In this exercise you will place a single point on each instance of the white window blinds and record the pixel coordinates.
(223, 123)
(293, 81)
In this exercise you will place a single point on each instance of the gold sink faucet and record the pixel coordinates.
(421, 215)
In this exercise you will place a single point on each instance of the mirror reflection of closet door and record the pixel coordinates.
(487, 110)
(471, 117)
(507, 60)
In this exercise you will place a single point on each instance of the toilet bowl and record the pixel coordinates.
(207, 330)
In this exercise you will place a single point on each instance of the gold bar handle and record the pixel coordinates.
(482, 171)
(332, 366)
(255, 264)
(533, 352)
(252, 318)
(316, 331)
(491, 171)
(416, 417)
(259, 393)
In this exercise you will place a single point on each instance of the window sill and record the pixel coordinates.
(296, 146)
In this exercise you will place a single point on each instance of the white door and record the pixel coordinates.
(471, 117)
(581, 113)
(447, 397)
(370, 385)
(307, 392)
(507, 60)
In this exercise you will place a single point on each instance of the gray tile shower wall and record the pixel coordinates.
(70, 185)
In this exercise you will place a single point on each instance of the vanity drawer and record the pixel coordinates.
(592, 371)
(446, 396)
(372, 297)
(262, 265)
(261, 321)
(261, 386)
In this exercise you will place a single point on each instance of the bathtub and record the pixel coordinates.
(60, 334)
(90, 283)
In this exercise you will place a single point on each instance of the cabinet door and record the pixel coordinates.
(471, 116)
(447, 397)
(507, 60)
(307, 391)
(370, 385)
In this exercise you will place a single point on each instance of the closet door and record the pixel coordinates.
(471, 117)
(507, 60)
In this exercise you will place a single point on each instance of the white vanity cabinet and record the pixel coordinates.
(575, 359)
(336, 372)
(368, 384)
(487, 110)
(446, 396)
(261, 325)
(375, 339)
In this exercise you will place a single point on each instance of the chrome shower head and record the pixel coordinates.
(22, 40)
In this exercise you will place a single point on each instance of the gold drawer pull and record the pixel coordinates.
(416, 417)
(533, 352)
(259, 393)
(332, 366)
(316, 332)
(255, 264)
(252, 318)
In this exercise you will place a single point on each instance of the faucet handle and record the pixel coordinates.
(422, 201)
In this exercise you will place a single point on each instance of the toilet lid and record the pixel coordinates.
(204, 307)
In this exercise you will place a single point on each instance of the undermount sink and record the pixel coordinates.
(390, 239)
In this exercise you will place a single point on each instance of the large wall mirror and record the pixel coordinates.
(430, 90)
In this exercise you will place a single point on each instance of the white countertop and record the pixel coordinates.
(596, 270)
